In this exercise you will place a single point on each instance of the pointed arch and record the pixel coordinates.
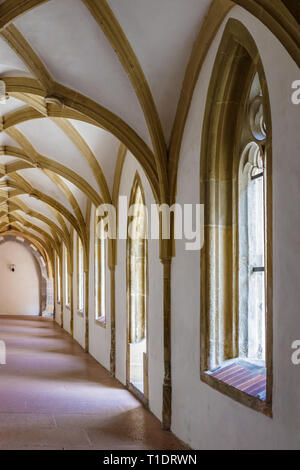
(137, 284)
(235, 66)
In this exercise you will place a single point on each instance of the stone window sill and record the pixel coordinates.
(101, 321)
(221, 382)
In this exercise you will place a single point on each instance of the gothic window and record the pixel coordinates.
(80, 275)
(252, 237)
(100, 272)
(137, 290)
(235, 174)
(58, 279)
(66, 278)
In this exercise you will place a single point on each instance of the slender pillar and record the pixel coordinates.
(112, 322)
(54, 285)
(167, 385)
(86, 308)
(62, 295)
(72, 301)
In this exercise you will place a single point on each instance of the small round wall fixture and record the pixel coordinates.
(12, 267)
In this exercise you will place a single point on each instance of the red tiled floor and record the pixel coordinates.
(54, 396)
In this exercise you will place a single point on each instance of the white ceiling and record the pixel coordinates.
(162, 33)
(77, 54)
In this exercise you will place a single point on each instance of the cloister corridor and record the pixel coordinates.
(55, 396)
(149, 228)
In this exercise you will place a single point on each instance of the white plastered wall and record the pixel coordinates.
(203, 417)
(19, 290)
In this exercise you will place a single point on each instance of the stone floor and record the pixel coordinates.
(54, 396)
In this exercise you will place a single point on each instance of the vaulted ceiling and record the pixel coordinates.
(54, 158)
(85, 78)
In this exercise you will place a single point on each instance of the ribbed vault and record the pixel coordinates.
(81, 83)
